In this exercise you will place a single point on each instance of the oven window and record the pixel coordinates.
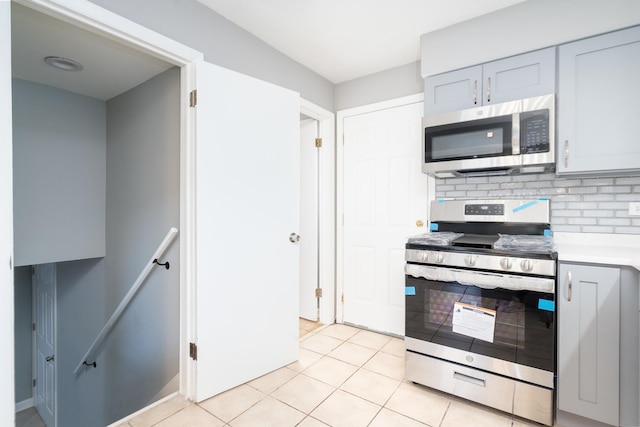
(515, 326)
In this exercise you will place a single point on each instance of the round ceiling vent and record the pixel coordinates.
(63, 63)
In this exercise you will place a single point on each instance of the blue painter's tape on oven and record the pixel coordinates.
(546, 304)
(525, 206)
(548, 233)
(433, 227)
(409, 290)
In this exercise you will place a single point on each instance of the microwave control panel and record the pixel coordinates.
(534, 132)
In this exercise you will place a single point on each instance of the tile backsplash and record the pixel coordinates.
(578, 204)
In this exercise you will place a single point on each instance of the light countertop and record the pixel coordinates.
(609, 249)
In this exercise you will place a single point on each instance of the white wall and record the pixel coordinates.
(524, 27)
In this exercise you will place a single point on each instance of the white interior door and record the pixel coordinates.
(385, 195)
(247, 199)
(7, 385)
(309, 211)
(44, 278)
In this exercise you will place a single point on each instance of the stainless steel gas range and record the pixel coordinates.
(480, 305)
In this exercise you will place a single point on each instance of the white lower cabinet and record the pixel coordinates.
(589, 341)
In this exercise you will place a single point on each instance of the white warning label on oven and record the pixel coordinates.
(475, 322)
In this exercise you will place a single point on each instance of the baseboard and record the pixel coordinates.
(25, 404)
(146, 408)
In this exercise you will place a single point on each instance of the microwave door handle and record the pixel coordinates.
(515, 137)
(489, 89)
(475, 92)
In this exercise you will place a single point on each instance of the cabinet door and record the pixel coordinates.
(599, 103)
(453, 91)
(522, 76)
(589, 341)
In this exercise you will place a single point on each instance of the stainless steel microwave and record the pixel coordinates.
(509, 138)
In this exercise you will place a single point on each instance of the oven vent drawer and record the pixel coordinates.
(528, 401)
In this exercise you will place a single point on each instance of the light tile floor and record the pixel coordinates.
(307, 326)
(344, 377)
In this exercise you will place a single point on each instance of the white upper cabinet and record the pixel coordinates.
(455, 90)
(599, 104)
(522, 76)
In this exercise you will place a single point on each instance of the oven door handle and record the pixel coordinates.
(481, 279)
(469, 379)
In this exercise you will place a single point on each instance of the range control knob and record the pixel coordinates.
(470, 260)
(439, 258)
(424, 256)
(506, 263)
(526, 265)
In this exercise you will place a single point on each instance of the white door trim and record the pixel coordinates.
(108, 24)
(326, 242)
(7, 387)
(341, 115)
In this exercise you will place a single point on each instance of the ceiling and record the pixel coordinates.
(338, 39)
(109, 67)
(345, 39)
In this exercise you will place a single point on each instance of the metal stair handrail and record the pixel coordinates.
(127, 298)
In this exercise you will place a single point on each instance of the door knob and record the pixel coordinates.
(419, 223)
(293, 238)
(49, 358)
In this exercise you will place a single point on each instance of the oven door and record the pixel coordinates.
(487, 320)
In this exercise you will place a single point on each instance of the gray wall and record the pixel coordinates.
(224, 43)
(383, 86)
(139, 360)
(143, 203)
(80, 294)
(59, 174)
(23, 344)
(580, 205)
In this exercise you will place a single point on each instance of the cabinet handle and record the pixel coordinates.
(489, 89)
(569, 285)
(475, 92)
(566, 153)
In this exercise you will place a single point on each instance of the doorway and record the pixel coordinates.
(139, 166)
(44, 319)
(317, 256)
(309, 216)
(384, 199)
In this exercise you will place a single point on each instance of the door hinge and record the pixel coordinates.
(342, 298)
(34, 382)
(318, 142)
(343, 139)
(318, 292)
(33, 327)
(193, 351)
(193, 98)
